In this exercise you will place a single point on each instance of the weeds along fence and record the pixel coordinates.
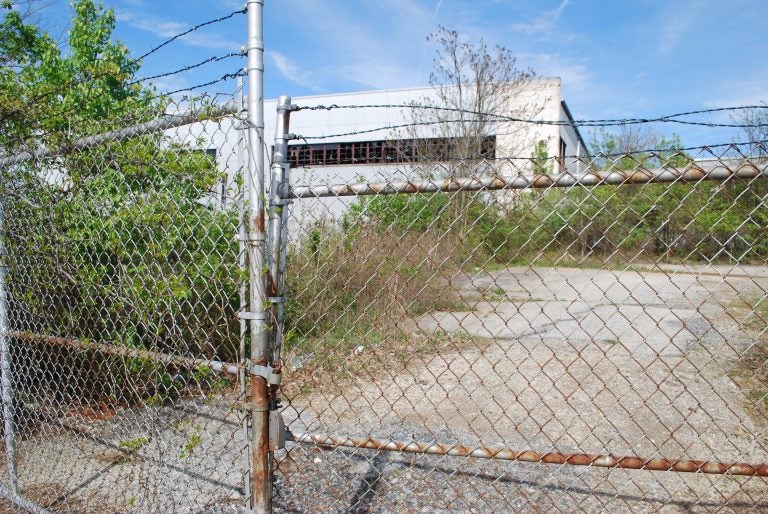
(492, 333)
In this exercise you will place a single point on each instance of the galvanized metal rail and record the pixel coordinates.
(228, 368)
(168, 121)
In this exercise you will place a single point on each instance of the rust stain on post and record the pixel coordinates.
(259, 222)
(260, 472)
(573, 459)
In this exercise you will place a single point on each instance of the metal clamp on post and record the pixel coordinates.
(266, 372)
(262, 316)
(280, 202)
(256, 237)
(276, 299)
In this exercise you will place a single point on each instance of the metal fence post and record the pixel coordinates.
(278, 218)
(243, 263)
(260, 371)
(5, 369)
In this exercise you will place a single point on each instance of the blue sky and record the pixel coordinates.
(616, 58)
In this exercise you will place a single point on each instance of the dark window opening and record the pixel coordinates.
(388, 152)
(562, 154)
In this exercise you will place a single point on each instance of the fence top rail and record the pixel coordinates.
(166, 122)
(746, 169)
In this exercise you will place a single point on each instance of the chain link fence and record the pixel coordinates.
(485, 334)
(458, 334)
(458, 330)
(122, 384)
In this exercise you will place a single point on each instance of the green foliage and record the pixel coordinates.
(403, 212)
(47, 91)
(192, 441)
(615, 154)
(113, 243)
(542, 165)
(134, 444)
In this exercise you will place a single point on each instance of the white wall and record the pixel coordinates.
(516, 141)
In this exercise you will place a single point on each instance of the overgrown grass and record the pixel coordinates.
(358, 285)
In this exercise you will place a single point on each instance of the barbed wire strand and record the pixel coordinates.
(130, 63)
(186, 32)
(670, 118)
(499, 119)
(186, 68)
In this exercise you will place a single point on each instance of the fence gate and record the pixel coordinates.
(123, 389)
(500, 334)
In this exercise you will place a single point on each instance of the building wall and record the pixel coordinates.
(516, 141)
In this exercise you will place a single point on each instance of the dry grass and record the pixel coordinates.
(353, 299)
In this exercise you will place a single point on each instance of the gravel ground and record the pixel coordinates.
(633, 363)
(185, 457)
(566, 360)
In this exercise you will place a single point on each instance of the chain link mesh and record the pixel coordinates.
(458, 334)
(601, 324)
(123, 278)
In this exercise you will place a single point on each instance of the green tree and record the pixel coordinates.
(49, 94)
(129, 254)
(542, 164)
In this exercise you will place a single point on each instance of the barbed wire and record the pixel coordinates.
(147, 98)
(416, 124)
(186, 32)
(223, 78)
(127, 65)
(39, 136)
(670, 118)
(186, 68)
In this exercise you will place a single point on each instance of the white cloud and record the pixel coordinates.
(542, 24)
(168, 28)
(677, 23)
(381, 75)
(672, 32)
(380, 49)
(233, 5)
(748, 90)
(293, 72)
(575, 75)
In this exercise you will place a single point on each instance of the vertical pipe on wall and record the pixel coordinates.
(261, 485)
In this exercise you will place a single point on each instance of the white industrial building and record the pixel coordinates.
(370, 137)
(343, 141)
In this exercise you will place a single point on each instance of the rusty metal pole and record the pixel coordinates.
(242, 262)
(261, 478)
